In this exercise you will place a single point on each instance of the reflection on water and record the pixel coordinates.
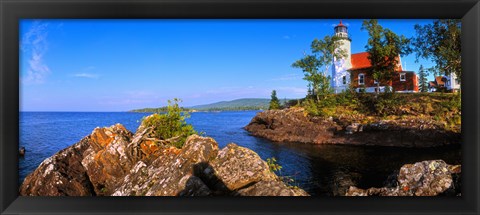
(313, 167)
(372, 164)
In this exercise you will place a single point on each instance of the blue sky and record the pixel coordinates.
(119, 65)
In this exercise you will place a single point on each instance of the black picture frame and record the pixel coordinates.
(13, 10)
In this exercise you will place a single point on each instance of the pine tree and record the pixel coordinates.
(423, 84)
(274, 102)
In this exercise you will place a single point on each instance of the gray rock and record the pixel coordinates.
(426, 178)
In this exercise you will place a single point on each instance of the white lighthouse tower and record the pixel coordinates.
(340, 79)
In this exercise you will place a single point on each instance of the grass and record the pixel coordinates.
(443, 108)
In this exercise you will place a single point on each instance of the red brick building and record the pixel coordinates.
(360, 76)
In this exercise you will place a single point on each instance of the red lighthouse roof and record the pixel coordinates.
(361, 61)
(340, 24)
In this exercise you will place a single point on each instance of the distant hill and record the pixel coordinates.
(238, 104)
(154, 110)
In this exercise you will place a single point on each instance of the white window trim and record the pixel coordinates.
(363, 78)
(404, 76)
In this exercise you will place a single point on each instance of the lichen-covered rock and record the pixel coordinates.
(107, 160)
(60, 175)
(426, 178)
(270, 188)
(238, 167)
(113, 162)
(172, 174)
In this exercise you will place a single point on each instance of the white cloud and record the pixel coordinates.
(86, 75)
(286, 37)
(34, 42)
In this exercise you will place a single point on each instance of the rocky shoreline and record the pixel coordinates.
(294, 125)
(113, 161)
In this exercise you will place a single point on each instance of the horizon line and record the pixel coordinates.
(120, 111)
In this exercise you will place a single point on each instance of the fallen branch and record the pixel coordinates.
(164, 142)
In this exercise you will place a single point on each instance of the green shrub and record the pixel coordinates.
(324, 107)
(347, 98)
(448, 110)
(273, 165)
(388, 104)
(171, 124)
(276, 168)
(383, 104)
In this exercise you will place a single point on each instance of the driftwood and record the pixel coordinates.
(164, 142)
(134, 146)
(135, 149)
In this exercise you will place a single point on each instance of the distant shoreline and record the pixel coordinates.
(197, 111)
(245, 104)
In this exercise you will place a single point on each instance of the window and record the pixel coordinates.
(375, 81)
(402, 77)
(344, 80)
(361, 78)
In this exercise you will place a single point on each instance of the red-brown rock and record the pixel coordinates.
(293, 125)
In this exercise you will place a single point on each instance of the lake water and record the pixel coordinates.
(313, 167)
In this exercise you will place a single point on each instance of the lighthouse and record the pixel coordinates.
(340, 77)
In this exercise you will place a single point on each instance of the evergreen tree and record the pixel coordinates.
(384, 48)
(274, 102)
(423, 82)
(441, 43)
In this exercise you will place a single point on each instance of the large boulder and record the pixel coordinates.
(114, 162)
(238, 167)
(173, 173)
(60, 175)
(107, 160)
(426, 178)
